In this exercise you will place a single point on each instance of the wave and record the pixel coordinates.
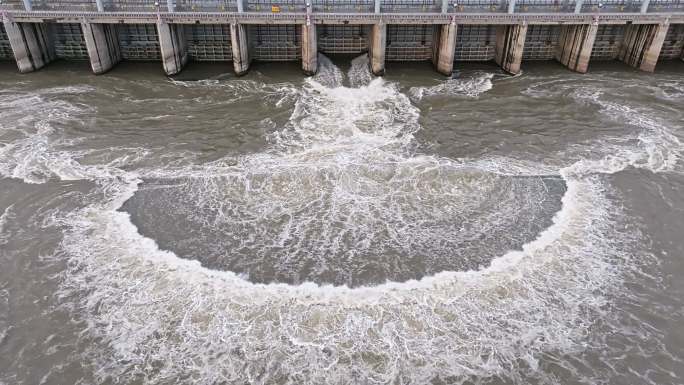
(4, 218)
(549, 285)
(473, 86)
(234, 90)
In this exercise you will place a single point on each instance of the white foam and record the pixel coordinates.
(470, 86)
(5, 325)
(235, 90)
(196, 83)
(328, 74)
(4, 218)
(359, 73)
(657, 148)
(27, 119)
(220, 312)
(375, 114)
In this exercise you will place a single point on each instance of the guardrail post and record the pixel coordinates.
(445, 6)
(27, 5)
(644, 5)
(240, 6)
(100, 6)
(511, 6)
(578, 6)
(377, 6)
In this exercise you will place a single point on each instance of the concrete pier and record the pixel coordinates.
(240, 46)
(173, 47)
(445, 46)
(377, 44)
(102, 43)
(510, 42)
(574, 46)
(30, 43)
(309, 49)
(642, 44)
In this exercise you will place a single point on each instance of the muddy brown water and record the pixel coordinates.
(342, 229)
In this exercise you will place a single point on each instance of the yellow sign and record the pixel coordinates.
(275, 9)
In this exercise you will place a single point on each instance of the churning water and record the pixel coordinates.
(342, 229)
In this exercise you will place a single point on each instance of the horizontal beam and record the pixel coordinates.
(341, 18)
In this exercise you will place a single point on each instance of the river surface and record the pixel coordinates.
(342, 229)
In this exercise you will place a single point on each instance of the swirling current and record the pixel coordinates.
(343, 228)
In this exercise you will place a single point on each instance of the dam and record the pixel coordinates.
(341, 228)
(573, 32)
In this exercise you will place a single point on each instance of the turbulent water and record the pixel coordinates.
(342, 229)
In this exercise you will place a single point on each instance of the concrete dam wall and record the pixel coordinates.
(573, 32)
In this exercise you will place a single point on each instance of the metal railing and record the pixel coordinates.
(350, 6)
(205, 6)
(129, 5)
(611, 6)
(11, 5)
(402, 6)
(364, 6)
(667, 6)
(64, 5)
(544, 6)
(477, 6)
(274, 6)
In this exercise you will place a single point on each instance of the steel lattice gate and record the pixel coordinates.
(475, 43)
(209, 42)
(342, 39)
(674, 42)
(69, 42)
(6, 52)
(541, 42)
(409, 42)
(139, 42)
(276, 42)
(608, 41)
